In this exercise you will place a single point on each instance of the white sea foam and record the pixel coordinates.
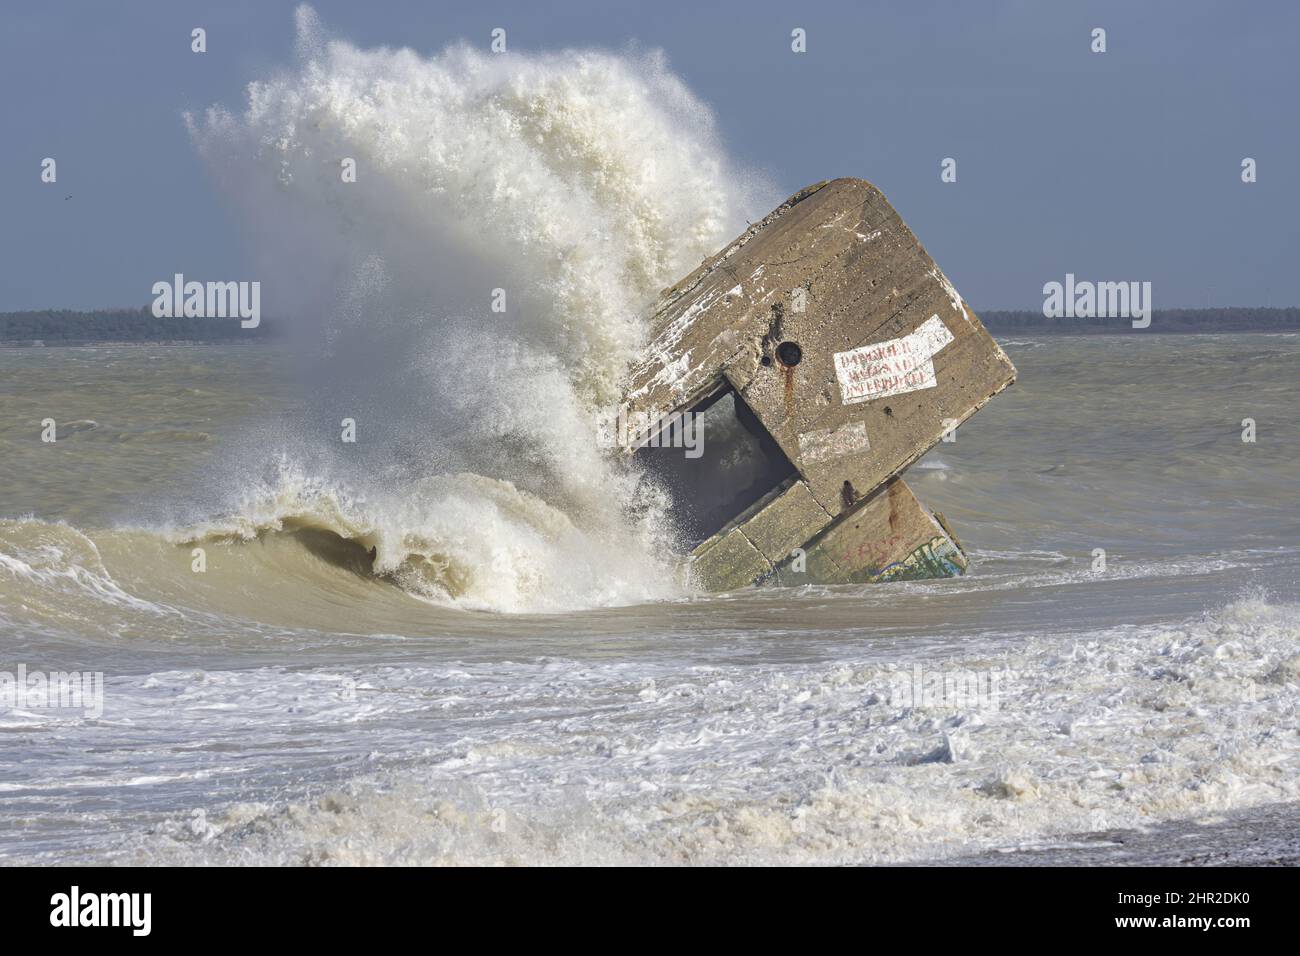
(725, 763)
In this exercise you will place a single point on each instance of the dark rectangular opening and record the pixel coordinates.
(738, 465)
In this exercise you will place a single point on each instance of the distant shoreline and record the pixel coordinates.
(65, 327)
(1163, 322)
(1002, 335)
(118, 327)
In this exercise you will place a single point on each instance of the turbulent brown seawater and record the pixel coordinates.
(485, 694)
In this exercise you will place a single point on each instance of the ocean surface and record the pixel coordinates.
(512, 680)
(464, 636)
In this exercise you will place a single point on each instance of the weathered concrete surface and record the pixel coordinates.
(728, 561)
(766, 536)
(890, 537)
(836, 328)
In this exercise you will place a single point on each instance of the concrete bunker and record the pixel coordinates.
(822, 352)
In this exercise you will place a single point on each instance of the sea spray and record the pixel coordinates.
(582, 181)
(466, 245)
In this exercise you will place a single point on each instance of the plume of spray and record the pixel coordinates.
(578, 184)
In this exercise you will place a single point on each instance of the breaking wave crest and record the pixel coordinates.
(461, 540)
(565, 189)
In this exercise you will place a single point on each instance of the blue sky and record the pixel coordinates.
(1116, 166)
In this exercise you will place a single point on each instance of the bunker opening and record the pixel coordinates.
(739, 466)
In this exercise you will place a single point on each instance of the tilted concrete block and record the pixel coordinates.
(846, 354)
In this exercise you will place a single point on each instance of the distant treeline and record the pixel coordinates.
(1162, 320)
(55, 326)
